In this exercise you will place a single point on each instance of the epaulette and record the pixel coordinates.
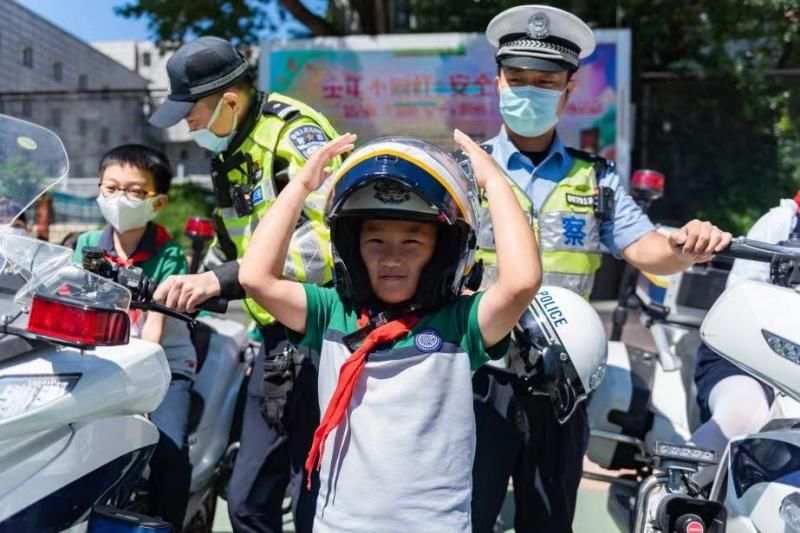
(283, 111)
(602, 166)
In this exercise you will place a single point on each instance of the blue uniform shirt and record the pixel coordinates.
(628, 223)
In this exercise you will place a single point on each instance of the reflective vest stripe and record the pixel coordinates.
(568, 232)
(261, 145)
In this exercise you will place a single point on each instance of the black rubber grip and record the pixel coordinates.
(215, 305)
(750, 250)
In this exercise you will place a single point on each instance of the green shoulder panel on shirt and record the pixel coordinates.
(89, 238)
(324, 310)
(456, 323)
(168, 261)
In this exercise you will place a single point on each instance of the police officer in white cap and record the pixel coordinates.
(578, 207)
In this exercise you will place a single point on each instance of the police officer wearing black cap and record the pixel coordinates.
(258, 142)
(577, 207)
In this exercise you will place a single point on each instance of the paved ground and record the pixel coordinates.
(591, 515)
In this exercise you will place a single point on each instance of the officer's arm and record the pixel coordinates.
(301, 139)
(227, 275)
(630, 233)
(696, 242)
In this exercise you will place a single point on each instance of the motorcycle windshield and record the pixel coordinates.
(32, 160)
(48, 271)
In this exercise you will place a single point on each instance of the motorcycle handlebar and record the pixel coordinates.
(215, 305)
(751, 250)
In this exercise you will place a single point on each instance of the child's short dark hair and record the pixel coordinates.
(143, 158)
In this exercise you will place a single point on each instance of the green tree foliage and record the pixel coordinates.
(185, 201)
(748, 45)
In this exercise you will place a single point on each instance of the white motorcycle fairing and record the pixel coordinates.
(762, 469)
(634, 389)
(51, 479)
(745, 326)
(218, 383)
(113, 381)
(61, 458)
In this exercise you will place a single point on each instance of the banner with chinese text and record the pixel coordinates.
(426, 85)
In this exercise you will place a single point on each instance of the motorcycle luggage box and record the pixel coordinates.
(619, 408)
(688, 295)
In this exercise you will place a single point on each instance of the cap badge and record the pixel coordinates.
(391, 192)
(538, 26)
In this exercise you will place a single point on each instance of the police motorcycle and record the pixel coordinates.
(224, 355)
(73, 386)
(649, 396)
(70, 404)
(753, 325)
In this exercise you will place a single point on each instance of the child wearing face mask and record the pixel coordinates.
(134, 181)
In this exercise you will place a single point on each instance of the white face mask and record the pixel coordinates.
(125, 214)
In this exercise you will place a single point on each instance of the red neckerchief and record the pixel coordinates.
(142, 254)
(349, 375)
(797, 200)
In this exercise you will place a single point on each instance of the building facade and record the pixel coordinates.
(52, 78)
(147, 60)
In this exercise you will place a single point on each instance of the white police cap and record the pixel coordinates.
(538, 37)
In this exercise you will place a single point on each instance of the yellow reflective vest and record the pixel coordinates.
(284, 136)
(566, 227)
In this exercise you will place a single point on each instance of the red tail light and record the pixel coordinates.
(78, 324)
(648, 180)
(200, 228)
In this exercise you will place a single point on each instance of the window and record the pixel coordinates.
(83, 126)
(83, 82)
(58, 71)
(184, 155)
(27, 108)
(55, 118)
(104, 136)
(146, 59)
(27, 56)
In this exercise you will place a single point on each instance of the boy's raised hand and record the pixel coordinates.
(483, 166)
(314, 172)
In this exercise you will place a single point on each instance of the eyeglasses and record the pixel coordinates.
(134, 193)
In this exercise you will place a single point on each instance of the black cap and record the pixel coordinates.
(198, 68)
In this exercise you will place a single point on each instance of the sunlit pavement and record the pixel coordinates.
(591, 515)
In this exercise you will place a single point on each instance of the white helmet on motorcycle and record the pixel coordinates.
(563, 348)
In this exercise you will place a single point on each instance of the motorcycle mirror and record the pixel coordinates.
(648, 184)
(199, 228)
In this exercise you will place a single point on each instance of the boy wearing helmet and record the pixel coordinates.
(397, 339)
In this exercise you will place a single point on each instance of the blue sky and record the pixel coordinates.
(95, 20)
(91, 20)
